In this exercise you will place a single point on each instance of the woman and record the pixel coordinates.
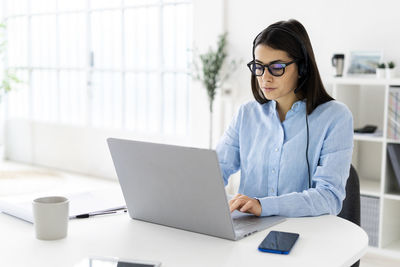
(293, 145)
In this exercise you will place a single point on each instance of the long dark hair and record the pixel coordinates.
(291, 36)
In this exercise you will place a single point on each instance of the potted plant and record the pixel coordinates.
(390, 70)
(380, 70)
(210, 73)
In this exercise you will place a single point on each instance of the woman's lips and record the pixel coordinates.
(268, 89)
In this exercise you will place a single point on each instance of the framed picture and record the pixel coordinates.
(363, 63)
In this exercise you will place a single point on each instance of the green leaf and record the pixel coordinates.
(209, 74)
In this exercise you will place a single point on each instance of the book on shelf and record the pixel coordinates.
(393, 129)
(394, 156)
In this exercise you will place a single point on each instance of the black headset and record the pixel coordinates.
(303, 73)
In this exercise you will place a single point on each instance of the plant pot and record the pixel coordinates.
(380, 73)
(389, 73)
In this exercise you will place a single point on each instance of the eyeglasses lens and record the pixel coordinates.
(276, 69)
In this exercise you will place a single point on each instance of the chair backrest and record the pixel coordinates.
(351, 204)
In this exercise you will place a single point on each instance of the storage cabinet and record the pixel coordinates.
(368, 99)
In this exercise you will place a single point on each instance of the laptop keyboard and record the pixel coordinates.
(244, 221)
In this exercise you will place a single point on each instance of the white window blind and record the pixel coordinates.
(106, 64)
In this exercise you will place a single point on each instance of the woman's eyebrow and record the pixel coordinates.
(272, 62)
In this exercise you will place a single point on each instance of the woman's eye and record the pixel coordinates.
(277, 66)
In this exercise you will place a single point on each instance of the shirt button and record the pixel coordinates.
(276, 149)
(273, 170)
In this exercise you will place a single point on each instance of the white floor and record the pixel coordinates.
(18, 179)
(376, 260)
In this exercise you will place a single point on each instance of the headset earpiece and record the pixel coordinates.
(302, 69)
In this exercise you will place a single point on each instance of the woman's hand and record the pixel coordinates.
(245, 204)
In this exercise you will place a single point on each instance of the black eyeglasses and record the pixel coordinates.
(276, 69)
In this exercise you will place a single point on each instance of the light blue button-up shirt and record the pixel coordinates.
(271, 156)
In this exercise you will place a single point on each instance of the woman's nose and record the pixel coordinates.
(266, 75)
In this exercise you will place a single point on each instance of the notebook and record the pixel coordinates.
(20, 206)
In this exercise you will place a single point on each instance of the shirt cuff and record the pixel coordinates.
(269, 206)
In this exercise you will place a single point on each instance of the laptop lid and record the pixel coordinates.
(175, 186)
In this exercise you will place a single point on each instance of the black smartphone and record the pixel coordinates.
(278, 242)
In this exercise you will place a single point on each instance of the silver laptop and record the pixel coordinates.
(180, 187)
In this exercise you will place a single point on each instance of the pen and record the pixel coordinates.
(87, 215)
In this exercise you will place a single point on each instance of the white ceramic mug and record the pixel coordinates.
(50, 216)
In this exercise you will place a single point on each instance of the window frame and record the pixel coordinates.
(90, 69)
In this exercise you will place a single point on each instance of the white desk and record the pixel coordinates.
(324, 241)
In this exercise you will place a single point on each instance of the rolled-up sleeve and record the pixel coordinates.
(329, 177)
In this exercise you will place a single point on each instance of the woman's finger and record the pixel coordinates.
(234, 198)
(237, 204)
(247, 206)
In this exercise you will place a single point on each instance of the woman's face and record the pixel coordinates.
(276, 88)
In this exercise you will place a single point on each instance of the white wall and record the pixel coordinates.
(76, 149)
(207, 26)
(2, 106)
(333, 26)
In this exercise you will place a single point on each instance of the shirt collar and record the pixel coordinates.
(298, 105)
(272, 105)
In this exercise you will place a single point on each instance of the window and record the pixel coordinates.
(101, 63)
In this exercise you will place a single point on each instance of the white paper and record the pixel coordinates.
(80, 203)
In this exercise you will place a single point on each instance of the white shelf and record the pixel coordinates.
(393, 141)
(368, 99)
(374, 137)
(370, 187)
(392, 196)
(368, 80)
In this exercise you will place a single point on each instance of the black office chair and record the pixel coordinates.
(351, 204)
